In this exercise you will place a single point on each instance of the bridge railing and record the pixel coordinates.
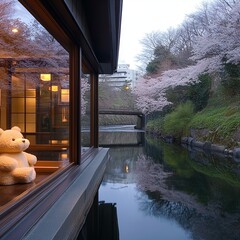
(140, 116)
(120, 112)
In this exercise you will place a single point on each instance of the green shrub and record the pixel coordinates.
(231, 79)
(152, 67)
(155, 125)
(177, 121)
(198, 93)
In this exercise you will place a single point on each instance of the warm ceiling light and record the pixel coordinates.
(45, 77)
(64, 141)
(14, 30)
(64, 156)
(54, 88)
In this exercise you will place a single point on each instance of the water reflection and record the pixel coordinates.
(163, 191)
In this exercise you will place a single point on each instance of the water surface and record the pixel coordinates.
(163, 191)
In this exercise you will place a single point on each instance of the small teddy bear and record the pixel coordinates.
(16, 166)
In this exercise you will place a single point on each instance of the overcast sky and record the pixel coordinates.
(144, 16)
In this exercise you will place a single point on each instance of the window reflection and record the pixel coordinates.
(85, 111)
(34, 83)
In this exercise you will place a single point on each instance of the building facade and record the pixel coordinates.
(123, 78)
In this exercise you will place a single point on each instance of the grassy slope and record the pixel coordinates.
(222, 118)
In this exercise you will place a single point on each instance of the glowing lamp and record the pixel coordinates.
(64, 142)
(53, 141)
(45, 77)
(54, 88)
(126, 169)
(64, 156)
(15, 30)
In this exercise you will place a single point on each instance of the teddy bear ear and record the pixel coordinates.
(16, 128)
(1, 131)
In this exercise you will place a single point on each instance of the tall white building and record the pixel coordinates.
(124, 77)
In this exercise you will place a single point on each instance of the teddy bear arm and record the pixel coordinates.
(7, 163)
(32, 159)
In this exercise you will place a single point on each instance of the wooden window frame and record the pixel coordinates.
(32, 204)
(79, 51)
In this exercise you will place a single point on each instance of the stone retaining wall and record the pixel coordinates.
(212, 148)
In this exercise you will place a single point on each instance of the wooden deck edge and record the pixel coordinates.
(71, 209)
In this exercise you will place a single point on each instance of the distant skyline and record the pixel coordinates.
(144, 16)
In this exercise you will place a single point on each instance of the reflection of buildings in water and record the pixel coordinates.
(121, 167)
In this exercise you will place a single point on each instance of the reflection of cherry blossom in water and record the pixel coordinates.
(152, 177)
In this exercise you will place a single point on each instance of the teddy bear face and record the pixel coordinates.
(12, 141)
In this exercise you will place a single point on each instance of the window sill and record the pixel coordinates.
(59, 202)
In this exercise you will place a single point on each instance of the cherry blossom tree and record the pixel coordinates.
(85, 87)
(217, 45)
(222, 39)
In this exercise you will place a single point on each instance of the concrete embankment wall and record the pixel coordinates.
(211, 148)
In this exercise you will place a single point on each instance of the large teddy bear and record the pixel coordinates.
(16, 166)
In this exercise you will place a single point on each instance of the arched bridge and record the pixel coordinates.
(141, 117)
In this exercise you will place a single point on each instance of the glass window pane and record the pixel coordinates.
(18, 120)
(30, 105)
(65, 95)
(17, 85)
(34, 84)
(31, 118)
(18, 105)
(85, 111)
(31, 127)
(30, 92)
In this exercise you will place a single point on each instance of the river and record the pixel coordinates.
(164, 191)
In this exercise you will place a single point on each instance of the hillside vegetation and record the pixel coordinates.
(221, 119)
(192, 81)
(218, 122)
